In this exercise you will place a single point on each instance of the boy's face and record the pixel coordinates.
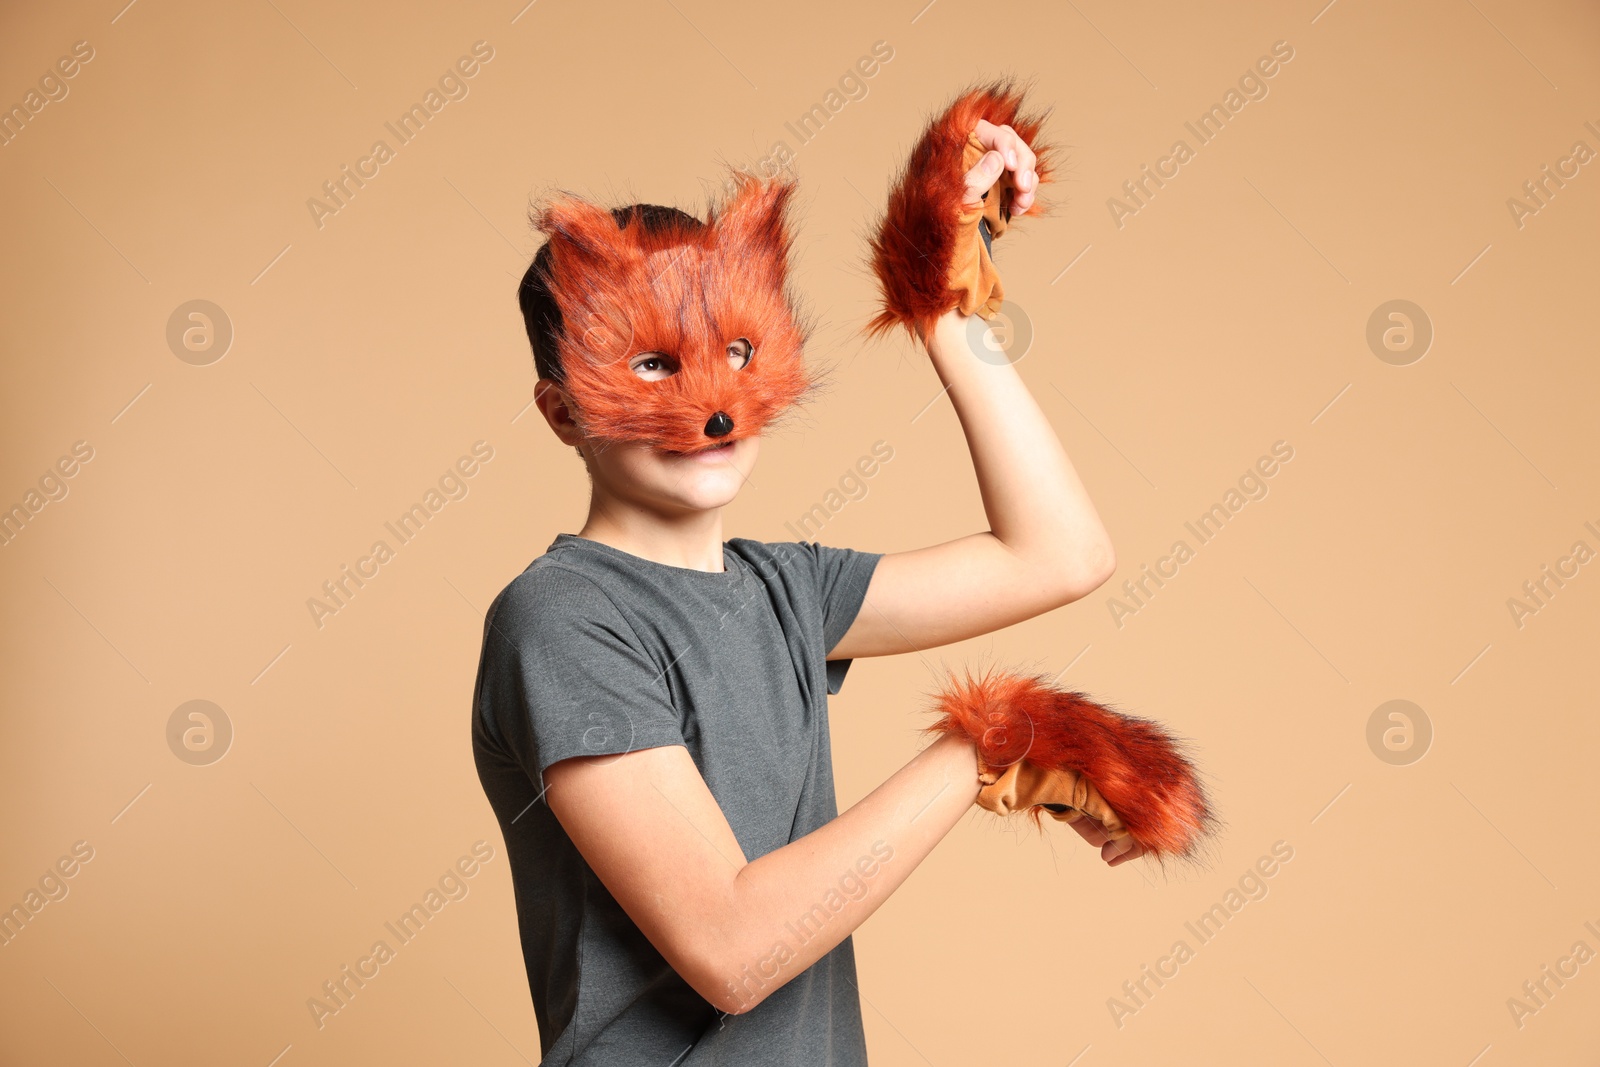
(681, 338)
(661, 481)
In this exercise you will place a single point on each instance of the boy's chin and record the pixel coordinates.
(709, 478)
(698, 490)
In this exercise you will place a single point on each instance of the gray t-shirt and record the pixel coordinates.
(594, 651)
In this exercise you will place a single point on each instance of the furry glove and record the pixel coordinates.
(929, 253)
(1045, 749)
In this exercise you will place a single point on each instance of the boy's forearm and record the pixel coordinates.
(1035, 502)
(795, 904)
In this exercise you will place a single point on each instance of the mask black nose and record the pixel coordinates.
(719, 425)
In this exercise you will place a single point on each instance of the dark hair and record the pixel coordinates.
(539, 311)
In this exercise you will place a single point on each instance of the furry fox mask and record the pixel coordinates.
(670, 330)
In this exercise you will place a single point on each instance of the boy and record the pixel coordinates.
(651, 717)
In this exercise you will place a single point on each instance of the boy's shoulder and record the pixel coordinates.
(799, 561)
(571, 577)
(559, 584)
(777, 552)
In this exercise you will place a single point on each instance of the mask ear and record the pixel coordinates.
(583, 237)
(753, 227)
(591, 263)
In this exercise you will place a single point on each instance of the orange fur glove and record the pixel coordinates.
(928, 253)
(1043, 749)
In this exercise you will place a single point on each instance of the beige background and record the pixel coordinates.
(1228, 314)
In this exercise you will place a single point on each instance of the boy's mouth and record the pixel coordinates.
(708, 450)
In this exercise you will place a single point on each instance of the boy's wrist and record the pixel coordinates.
(958, 346)
(962, 754)
(948, 332)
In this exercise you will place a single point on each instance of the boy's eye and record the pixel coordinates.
(653, 366)
(740, 353)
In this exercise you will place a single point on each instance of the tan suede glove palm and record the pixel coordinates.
(1066, 795)
(973, 275)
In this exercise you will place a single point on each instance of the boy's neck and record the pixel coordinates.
(693, 540)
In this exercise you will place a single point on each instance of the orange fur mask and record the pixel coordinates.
(688, 291)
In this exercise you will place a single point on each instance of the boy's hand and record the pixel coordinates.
(1114, 852)
(1000, 181)
(1068, 796)
(981, 161)
(1001, 184)
(1003, 150)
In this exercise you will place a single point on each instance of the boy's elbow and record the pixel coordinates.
(1107, 566)
(1087, 572)
(729, 992)
(731, 1004)
(725, 953)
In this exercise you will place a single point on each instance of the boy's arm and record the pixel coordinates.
(734, 929)
(1045, 545)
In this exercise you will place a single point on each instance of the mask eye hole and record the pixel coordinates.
(653, 366)
(740, 353)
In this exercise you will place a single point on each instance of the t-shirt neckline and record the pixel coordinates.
(730, 572)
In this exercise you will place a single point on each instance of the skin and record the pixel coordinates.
(646, 822)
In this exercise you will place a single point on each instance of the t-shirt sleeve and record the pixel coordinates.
(842, 576)
(567, 676)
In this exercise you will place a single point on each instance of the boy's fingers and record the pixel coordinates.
(1090, 829)
(1121, 851)
(981, 178)
(1114, 852)
(1014, 154)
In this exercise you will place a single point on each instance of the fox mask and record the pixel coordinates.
(710, 299)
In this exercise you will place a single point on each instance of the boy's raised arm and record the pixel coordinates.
(1045, 545)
